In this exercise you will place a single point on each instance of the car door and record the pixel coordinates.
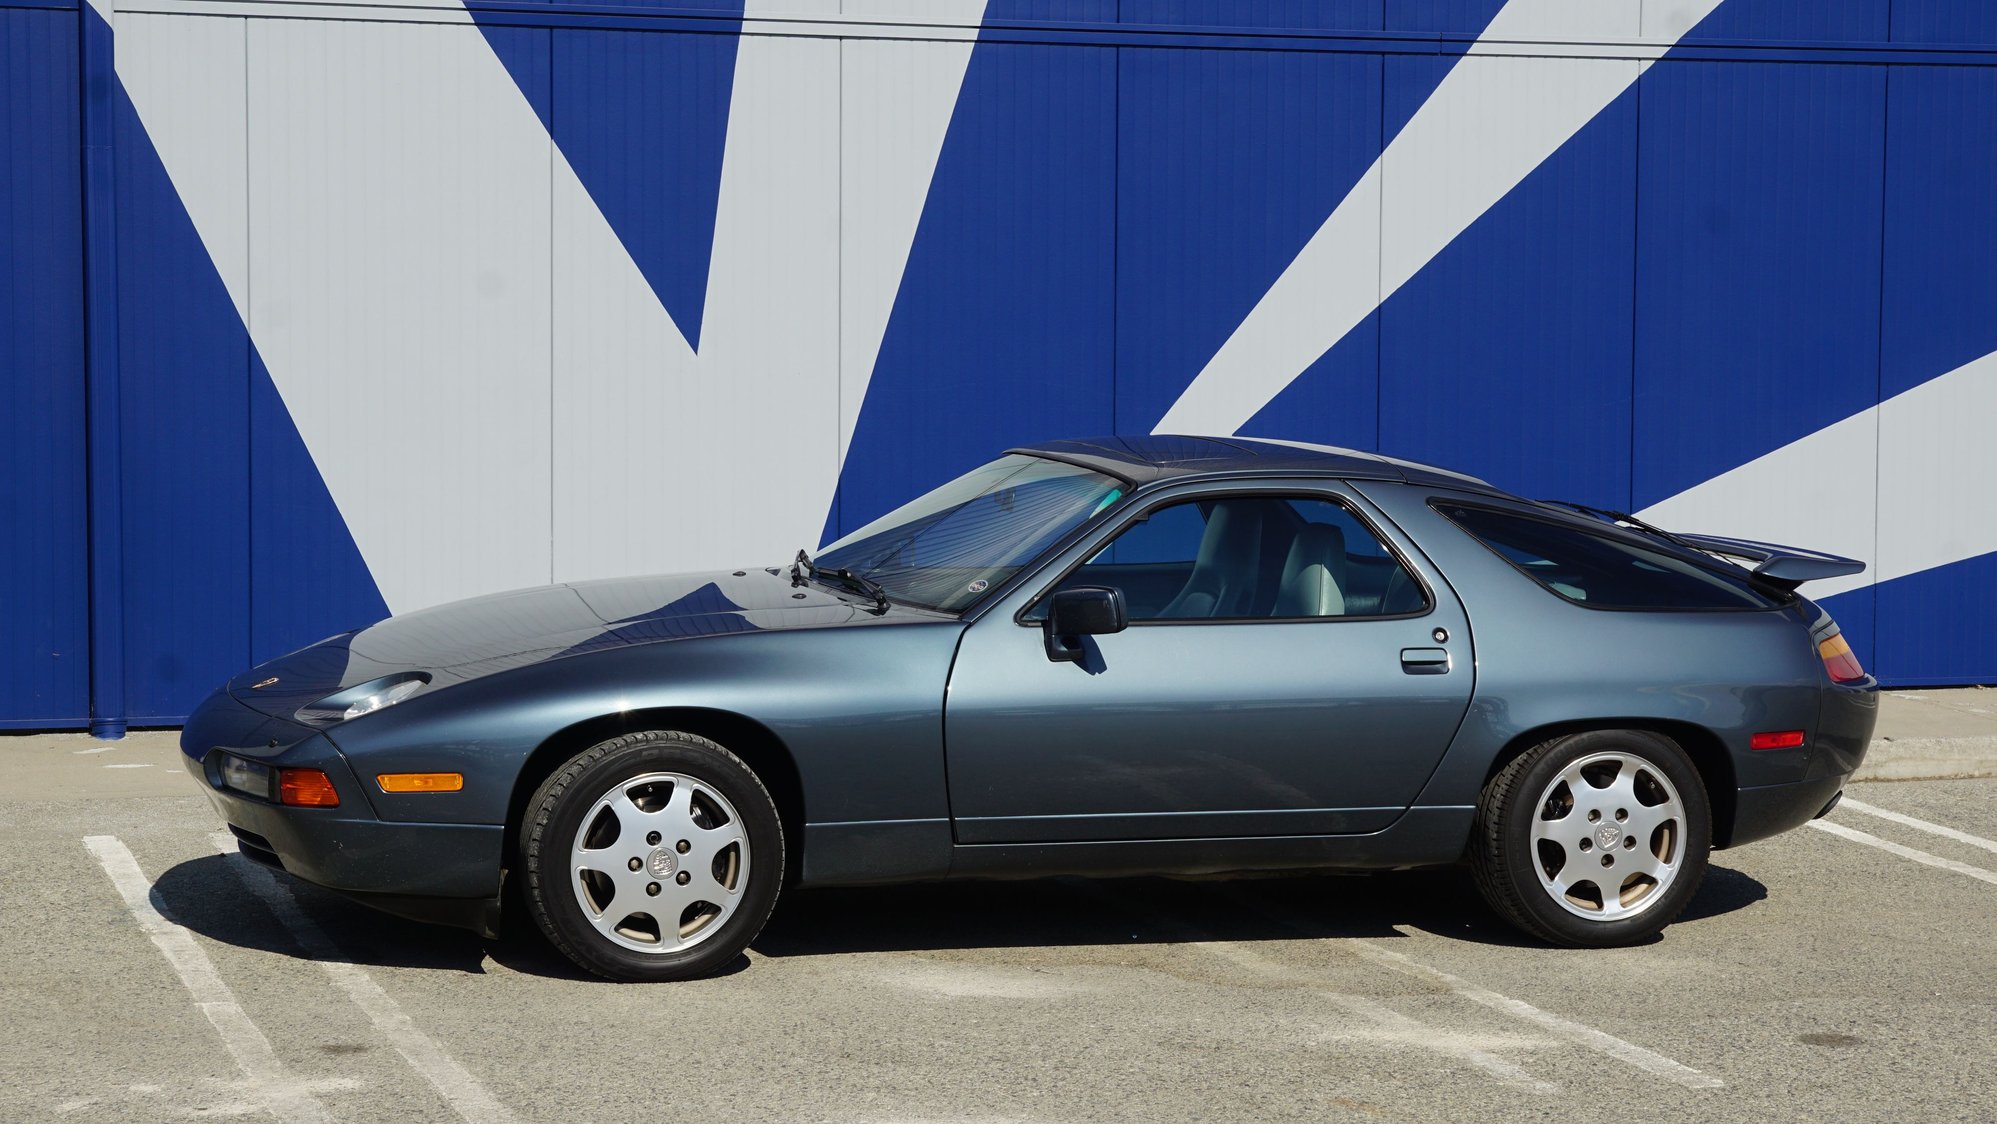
(1293, 666)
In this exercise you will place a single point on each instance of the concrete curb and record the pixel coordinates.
(1929, 759)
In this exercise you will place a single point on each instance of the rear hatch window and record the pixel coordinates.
(1605, 571)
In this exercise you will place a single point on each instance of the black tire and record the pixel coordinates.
(554, 819)
(1508, 864)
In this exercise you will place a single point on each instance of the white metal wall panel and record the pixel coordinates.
(186, 79)
(400, 294)
(1934, 473)
(1496, 116)
(651, 439)
(896, 100)
(1674, 18)
(496, 396)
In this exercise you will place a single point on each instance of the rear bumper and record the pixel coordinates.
(1844, 731)
(446, 873)
(1775, 808)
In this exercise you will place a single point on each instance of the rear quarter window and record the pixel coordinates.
(1603, 571)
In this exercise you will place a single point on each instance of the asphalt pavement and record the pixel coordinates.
(1841, 971)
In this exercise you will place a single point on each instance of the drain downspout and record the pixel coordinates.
(98, 89)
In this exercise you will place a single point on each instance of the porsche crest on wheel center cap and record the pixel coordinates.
(662, 862)
(1608, 835)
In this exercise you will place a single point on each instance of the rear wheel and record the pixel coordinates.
(653, 856)
(1593, 840)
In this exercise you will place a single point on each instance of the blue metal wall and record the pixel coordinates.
(44, 613)
(1783, 223)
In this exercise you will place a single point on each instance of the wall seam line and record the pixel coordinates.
(1879, 341)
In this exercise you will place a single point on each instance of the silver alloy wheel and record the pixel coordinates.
(1608, 836)
(659, 862)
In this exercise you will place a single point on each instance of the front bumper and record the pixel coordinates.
(446, 873)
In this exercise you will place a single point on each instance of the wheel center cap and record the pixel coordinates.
(662, 862)
(1608, 835)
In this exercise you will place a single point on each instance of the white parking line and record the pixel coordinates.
(1402, 1026)
(1919, 825)
(1580, 1034)
(453, 1082)
(1888, 845)
(1650, 1061)
(281, 1094)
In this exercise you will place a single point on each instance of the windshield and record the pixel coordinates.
(943, 550)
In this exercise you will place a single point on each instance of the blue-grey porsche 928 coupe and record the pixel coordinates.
(1091, 657)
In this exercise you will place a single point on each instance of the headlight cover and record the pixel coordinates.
(365, 698)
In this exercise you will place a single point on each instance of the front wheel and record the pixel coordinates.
(1593, 840)
(652, 856)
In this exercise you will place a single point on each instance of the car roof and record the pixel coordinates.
(1152, 457)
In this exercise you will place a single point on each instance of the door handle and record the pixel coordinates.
(1425, 661)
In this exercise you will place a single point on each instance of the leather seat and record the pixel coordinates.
(1314, 574)
(1222, 583)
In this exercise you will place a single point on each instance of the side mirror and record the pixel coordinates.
(1089, 610)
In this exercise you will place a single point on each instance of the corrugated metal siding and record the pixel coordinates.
(185, 369)
(44, 614)
(1940, 312)
(1319, 15)
(1530, 384)
(1758, 249)
(1758, 242)
(1005, 321)
(1798, 21)
(1966, 22)
(1455, 17)
(401, 288)
(1197, 245)
(1941, 223)
(418, 310)
(641, 118)
(651, 437)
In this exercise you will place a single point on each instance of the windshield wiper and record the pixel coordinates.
(802, 570)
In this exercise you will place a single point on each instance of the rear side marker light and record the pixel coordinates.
(306, 788)
(421, 782)
(1775, 739)
(1839, 660)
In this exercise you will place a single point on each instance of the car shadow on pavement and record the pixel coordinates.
(212, 898)
(1161, 911)
(1075, 911)
(209, 897)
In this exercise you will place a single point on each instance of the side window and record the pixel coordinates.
(1603, 571)
(1252, 557)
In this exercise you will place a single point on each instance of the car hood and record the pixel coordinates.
(482, 636)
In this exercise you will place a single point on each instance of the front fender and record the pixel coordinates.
(860, 709)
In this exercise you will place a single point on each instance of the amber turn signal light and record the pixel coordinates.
(421, 782)
(1839, 660)
(306, 788)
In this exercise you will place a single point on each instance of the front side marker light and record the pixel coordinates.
(306, 788)
(421, 782)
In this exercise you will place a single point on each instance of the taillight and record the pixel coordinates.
(306, 788)
(1838, 660)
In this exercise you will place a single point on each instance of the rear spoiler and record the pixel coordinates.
(1786, 566)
